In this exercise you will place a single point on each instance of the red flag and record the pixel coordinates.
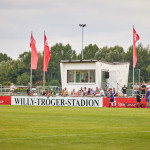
(47, 55)
(135, 39)
(34, 53)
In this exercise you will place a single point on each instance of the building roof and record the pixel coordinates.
(93, 61)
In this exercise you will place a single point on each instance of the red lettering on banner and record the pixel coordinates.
(5, 100)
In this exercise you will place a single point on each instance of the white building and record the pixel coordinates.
(93, 73)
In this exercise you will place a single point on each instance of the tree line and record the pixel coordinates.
(18, 71)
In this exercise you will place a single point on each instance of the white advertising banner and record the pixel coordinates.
(57, 101)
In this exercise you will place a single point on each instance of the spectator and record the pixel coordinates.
(28, 88)
(52, 92)
(48, 93)
(102, 92)
(34, 93)
(65, 91)
(92, 92)
(143, 89)
(12, 88)
(84, 92)
(79, 93)
(73, 91)
(30, 93)
(138, 98)
(76, 94)
(97, 92)
(71, 94)
(124, 91)
(44, 93)
(135, 88)
(89, 92)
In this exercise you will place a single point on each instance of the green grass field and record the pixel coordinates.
(72, 128)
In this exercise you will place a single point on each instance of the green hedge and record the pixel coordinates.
(20, 90)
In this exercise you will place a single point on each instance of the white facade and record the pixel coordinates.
(118, 74)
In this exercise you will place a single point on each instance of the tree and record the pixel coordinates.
(148, 72)
(23, 79)
(4, 57)
(54, 83)
(89, 52)
(4, 73)
(112, 54)
(59, 52)
(143, 61)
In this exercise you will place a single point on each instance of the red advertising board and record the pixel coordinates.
(5, 100)
(124, 102)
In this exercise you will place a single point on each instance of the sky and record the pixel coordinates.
(109, 23)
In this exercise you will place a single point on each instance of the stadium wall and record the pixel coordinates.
(70, 101)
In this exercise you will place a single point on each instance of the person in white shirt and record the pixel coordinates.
(12, 88)
(102, 92)
(135, 88)
(34, 93)
(148, 86)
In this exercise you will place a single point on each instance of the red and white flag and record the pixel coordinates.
(34, 53)
(47, 55)
(135, 39)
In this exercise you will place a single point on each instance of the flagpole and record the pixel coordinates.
(44, 64)
(133, 61)
(31, 66)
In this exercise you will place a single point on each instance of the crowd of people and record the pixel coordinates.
(43, 92)
(90, 92)
(140, 91)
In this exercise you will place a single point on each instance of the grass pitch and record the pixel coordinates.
(73, 128)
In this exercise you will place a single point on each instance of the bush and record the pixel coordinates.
(7, 83)
(20, 90)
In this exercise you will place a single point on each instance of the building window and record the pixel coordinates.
(84, 76)
(70, 76)
(81, 76)
(92, 76)
(78, 77)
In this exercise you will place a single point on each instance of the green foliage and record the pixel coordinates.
(89, 52)
(4, 57)
(148, 72)
(54, 83)
(20, 90)
(4, 72)
(7, 83)
(112, 54)
(23, 79)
